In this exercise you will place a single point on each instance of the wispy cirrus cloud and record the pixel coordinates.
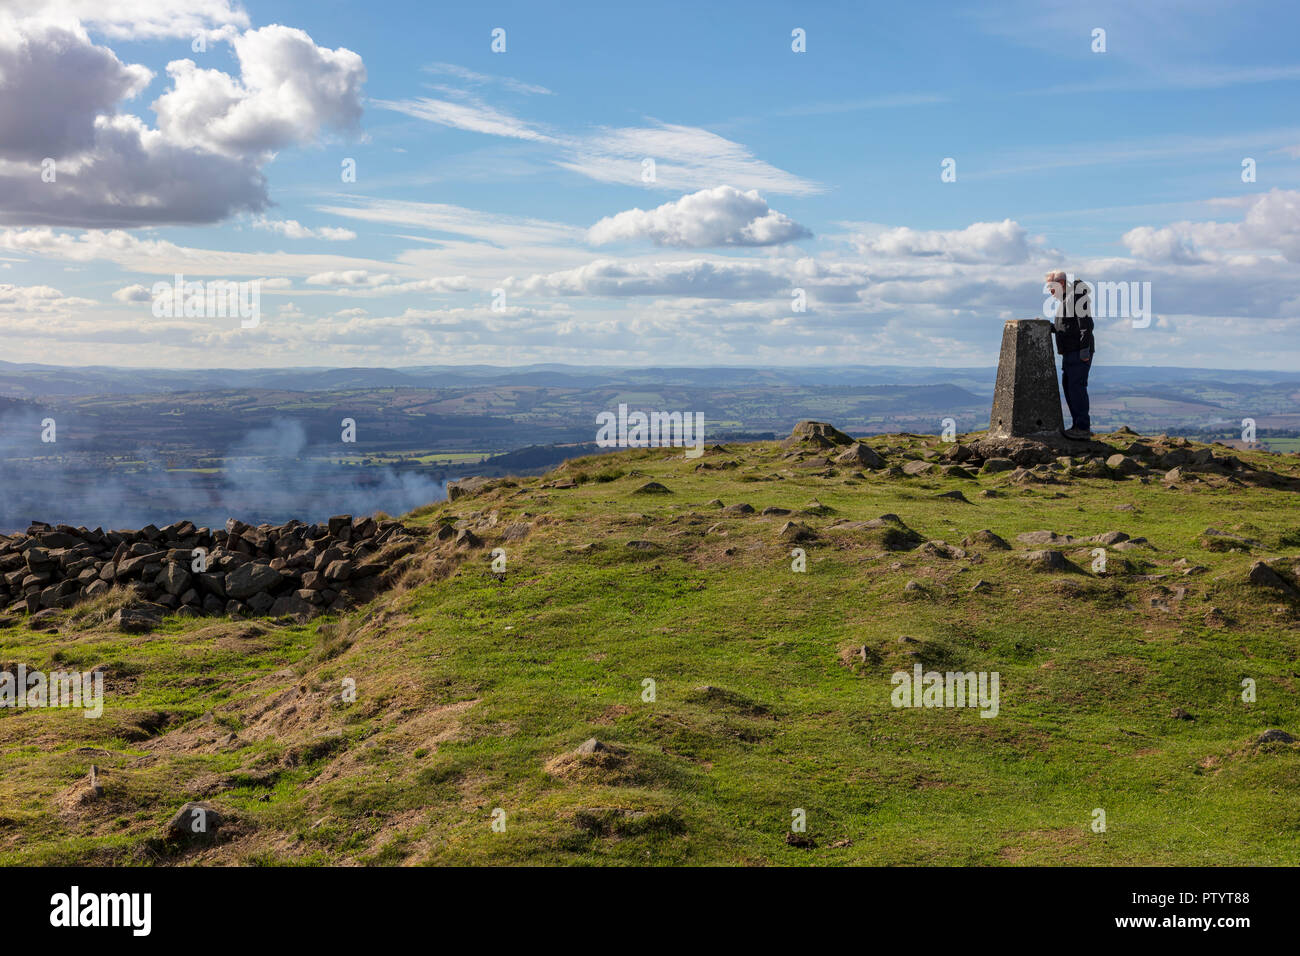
(686, 157)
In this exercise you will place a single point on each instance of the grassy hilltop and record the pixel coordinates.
(1120, 691)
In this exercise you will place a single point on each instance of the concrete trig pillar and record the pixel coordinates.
(1026, 399)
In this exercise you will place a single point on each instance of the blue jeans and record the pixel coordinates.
(1074, 381)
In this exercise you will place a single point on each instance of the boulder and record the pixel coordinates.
(194, 820)
(248, 579)
(136, 620)
(1045, 560)
(859, 455)
(817, 435)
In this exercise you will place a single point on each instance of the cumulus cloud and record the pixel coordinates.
(722, 216)
(1271, 222)
(133, 293)
(1001, 242)
(37, 300)
(288, 91)
(56, 82)
(202, 163)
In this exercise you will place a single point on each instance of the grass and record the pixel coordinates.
(734, 688)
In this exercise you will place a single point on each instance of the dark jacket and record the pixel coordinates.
(1073, 327)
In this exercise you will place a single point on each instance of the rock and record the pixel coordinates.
(981, 587)
(248, 579)
(917, 467)
(638, 545)
(593, 746)
(468, 539)
(173, 579)
(1216, 540)
(794, 532)
(338, 571)
(738, 509)
(1274, 736)
(715, 503)
(652, 488)
(817, 434)
(136, 620)
(292, 605)
(468, 487)
(954, 495)
(1108, 538)
(859, 455)
(1046, 560)
(1179, 714)
(988, 539)
(1174, 475)
(913, 586)
(194, 820)
(1124, 465)
(1261, 575)
(772, 511)
(1044, 537)
(992, 466)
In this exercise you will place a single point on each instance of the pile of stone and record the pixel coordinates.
(293, 568)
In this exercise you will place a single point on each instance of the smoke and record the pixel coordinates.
(271, 474)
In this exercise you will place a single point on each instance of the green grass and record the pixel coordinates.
(472, 689)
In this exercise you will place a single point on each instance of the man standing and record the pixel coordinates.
(1073, 331)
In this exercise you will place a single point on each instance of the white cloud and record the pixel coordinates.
(362, 281)
(479, 79)
(111, 169)
(470, 115)
(1004, 242)
(138, 19)
(701, 278)
(686, 157)
(37, 300)
(293, 229)
(722, 216)
(289, 90)
(133, 293)
(1272, 222)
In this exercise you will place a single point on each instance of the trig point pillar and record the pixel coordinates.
(1026, 399)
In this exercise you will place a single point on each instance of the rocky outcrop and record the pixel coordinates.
(817, 435)
(293, 568)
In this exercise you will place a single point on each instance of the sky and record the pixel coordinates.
(418, 183)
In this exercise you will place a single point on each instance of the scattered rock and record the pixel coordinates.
(859, 455)
(1261, 575)
(794, 532)
(136, 620)
(1274, 736)
(1046, 560)
(817, 434)
(652, 488)
(986, 538)
(954, 495)
(194, 820)
(1044, 537)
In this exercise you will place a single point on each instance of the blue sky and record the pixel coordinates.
(500, 214)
